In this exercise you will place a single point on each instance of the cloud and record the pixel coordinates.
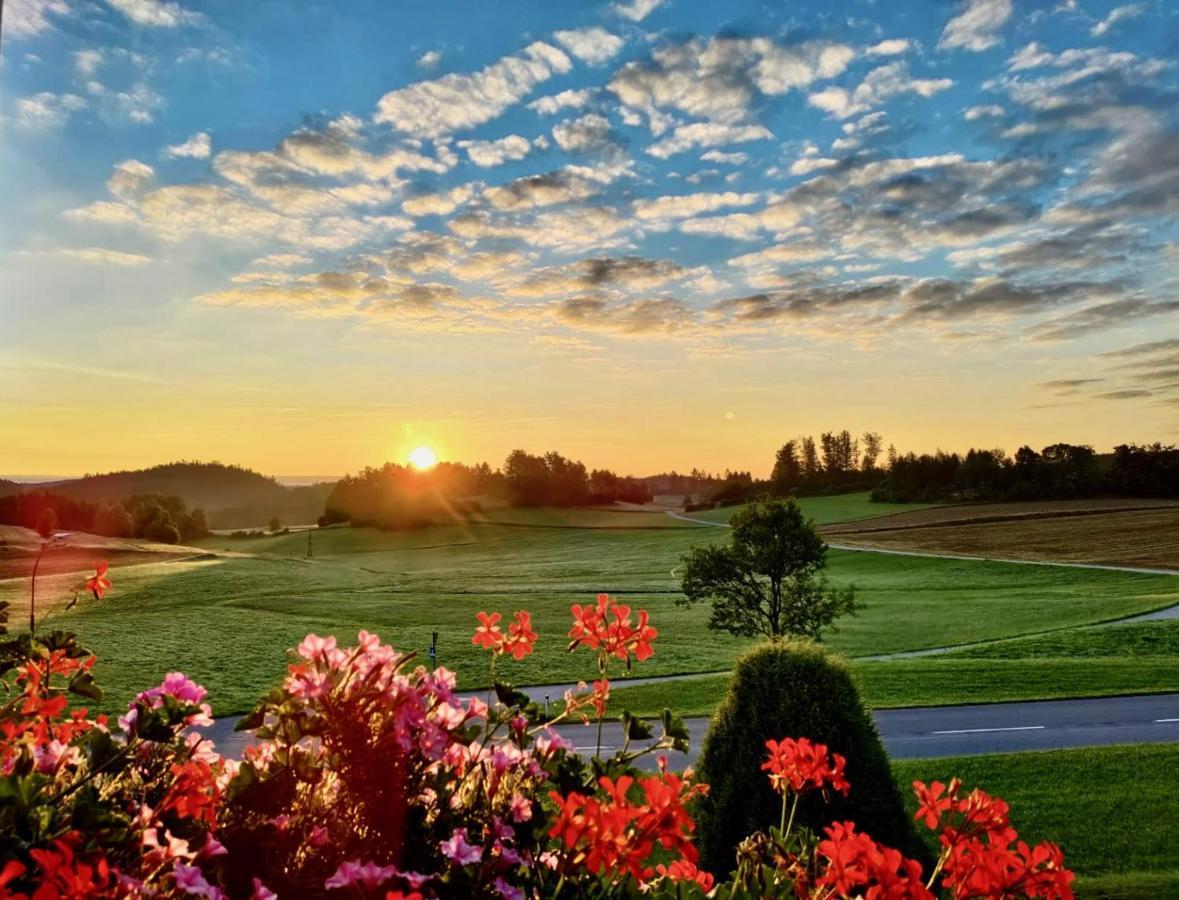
(1069, 385)
(131, 179)
(155, 13)
(86, 62)
(533, 191)
(487, 154)
(683, 205)
(429, 59)
(29, 18)
(104, 212)
(976, 27)
(719, 156)
(1102, 317)
(456, 102)
(707, 134)
(282, 260)
(93, 255)
(46, 110)
(441, 204)
(199, 146)
(569, 229)
(573, 99)
(588, 134)
(1117, 14)
(636, 10)
(991, 110)
(633, 317)
(718, 79)
(878, 86)
(892, 47)
(628, 273)
(592, 45)
(808, 164)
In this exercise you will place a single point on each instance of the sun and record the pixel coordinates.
(423, 458)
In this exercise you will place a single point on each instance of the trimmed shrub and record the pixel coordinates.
(794, 689)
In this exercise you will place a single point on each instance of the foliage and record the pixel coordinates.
(156, 517)
(766, 580)
(793, 688)
(1058, 472)
(554, 480)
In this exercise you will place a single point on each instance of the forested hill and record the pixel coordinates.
(232, 496)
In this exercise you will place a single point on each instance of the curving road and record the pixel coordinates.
(933, 730)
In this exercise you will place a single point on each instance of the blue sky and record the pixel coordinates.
(304, 236)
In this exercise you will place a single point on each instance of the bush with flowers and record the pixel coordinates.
(371, 777)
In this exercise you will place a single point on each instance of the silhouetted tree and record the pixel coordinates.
(766, 580)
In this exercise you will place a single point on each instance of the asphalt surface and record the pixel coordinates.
(931, 731)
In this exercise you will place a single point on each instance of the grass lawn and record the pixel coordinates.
(1111, 809)
(227, 620)
(1117, 659)
(828, 509)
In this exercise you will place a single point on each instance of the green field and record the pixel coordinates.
(1092, 662)
(228, 619)
(826, 510)
(1111, 809)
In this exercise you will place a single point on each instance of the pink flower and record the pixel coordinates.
(368, 875)
(506, 890)
(458, 850)
(262, 892)
(191, 880)
(175, 684)
(519, 808)
(212, 847)
(318, 836)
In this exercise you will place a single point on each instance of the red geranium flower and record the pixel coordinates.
(799, 765)
(488, 634)
(98, 584)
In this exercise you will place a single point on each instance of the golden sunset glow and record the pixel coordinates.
(423, 458)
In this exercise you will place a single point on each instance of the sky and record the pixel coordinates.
(308, 236)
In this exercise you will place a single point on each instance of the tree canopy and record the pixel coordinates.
(767, 579)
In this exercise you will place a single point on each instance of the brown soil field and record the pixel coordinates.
(1107, 532)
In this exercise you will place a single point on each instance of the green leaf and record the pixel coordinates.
(83, 685)
(635, 728)
(509, 696)
(251, 720)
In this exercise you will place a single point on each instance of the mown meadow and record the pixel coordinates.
(228, 616)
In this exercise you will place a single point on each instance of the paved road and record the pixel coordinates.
(938, 730)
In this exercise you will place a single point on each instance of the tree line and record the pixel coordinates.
(397, 496)
(1057, 472)
(154, 517)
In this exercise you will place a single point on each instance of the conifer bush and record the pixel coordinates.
(794, 689)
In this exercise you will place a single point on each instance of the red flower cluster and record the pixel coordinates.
(799, 766)
(98, 584)
(61, 872)
(520, 640)
(857, 866)
(607, 628)
(981, 853)
(610, 833)
(682, 870)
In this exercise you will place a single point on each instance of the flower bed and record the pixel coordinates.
(372, 778)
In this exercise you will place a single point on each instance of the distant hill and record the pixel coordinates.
(232, 496)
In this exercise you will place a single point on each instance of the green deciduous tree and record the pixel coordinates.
(767, 579)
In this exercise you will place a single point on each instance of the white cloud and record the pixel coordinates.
(429, 59)
(1118, 14)
(130, 179)
(891, 47)
(809, 164)
(96, 256)
(720, 156)
(573, 99)
(103, 211)
(878, 86)
(199, 146)
(486, 154)
(590, 132)
(282, 260)
(455, 102)
(718, 79)
(706, 134)
(86, 62)
(684, 205)
(981, 112)
(442, 204)
(976, 27)
(637, 10)
(28, 18)
(155, 13)
(46, 110)
(592, 45)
